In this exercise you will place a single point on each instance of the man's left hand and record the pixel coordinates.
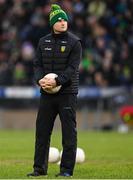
(50, 82)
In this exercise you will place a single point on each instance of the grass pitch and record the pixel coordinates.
(109, 155)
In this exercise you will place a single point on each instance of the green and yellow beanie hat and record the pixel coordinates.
(56, 14)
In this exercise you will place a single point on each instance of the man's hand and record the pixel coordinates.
(47, 83)
(52, 82)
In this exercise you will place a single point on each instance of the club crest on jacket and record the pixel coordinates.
(63, 48)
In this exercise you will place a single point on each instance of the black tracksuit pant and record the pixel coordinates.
(50, 106)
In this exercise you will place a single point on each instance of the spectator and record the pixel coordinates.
(19, 75)
(97, 8)
(105, 28)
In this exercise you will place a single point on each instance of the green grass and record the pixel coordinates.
(109, 155)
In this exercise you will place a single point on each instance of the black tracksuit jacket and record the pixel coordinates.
(60, 54)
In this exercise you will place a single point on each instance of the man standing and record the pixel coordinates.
(59, 53)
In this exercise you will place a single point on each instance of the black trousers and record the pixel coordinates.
(50, 106)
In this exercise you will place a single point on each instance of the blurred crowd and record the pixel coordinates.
(105, 29)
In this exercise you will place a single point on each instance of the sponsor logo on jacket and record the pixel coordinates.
(47, 49)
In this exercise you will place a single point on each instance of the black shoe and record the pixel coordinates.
(63, 174)
(36, 173)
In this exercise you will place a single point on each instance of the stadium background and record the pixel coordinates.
(106, 78)
(106, 31)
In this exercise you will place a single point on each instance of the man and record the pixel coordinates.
(59, 53)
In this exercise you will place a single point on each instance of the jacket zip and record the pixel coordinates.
(53, 55)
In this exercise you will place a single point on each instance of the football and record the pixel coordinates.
(54, 155)
(80, 155)
(55, 89)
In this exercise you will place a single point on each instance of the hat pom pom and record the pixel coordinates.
(55, 7)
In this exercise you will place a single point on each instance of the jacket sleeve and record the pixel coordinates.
(73, 64)
(38, 65)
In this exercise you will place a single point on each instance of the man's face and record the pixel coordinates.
(60, 26)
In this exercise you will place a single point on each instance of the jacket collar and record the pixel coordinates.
(60, 36)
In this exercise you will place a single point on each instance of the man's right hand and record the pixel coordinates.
(45, 84)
